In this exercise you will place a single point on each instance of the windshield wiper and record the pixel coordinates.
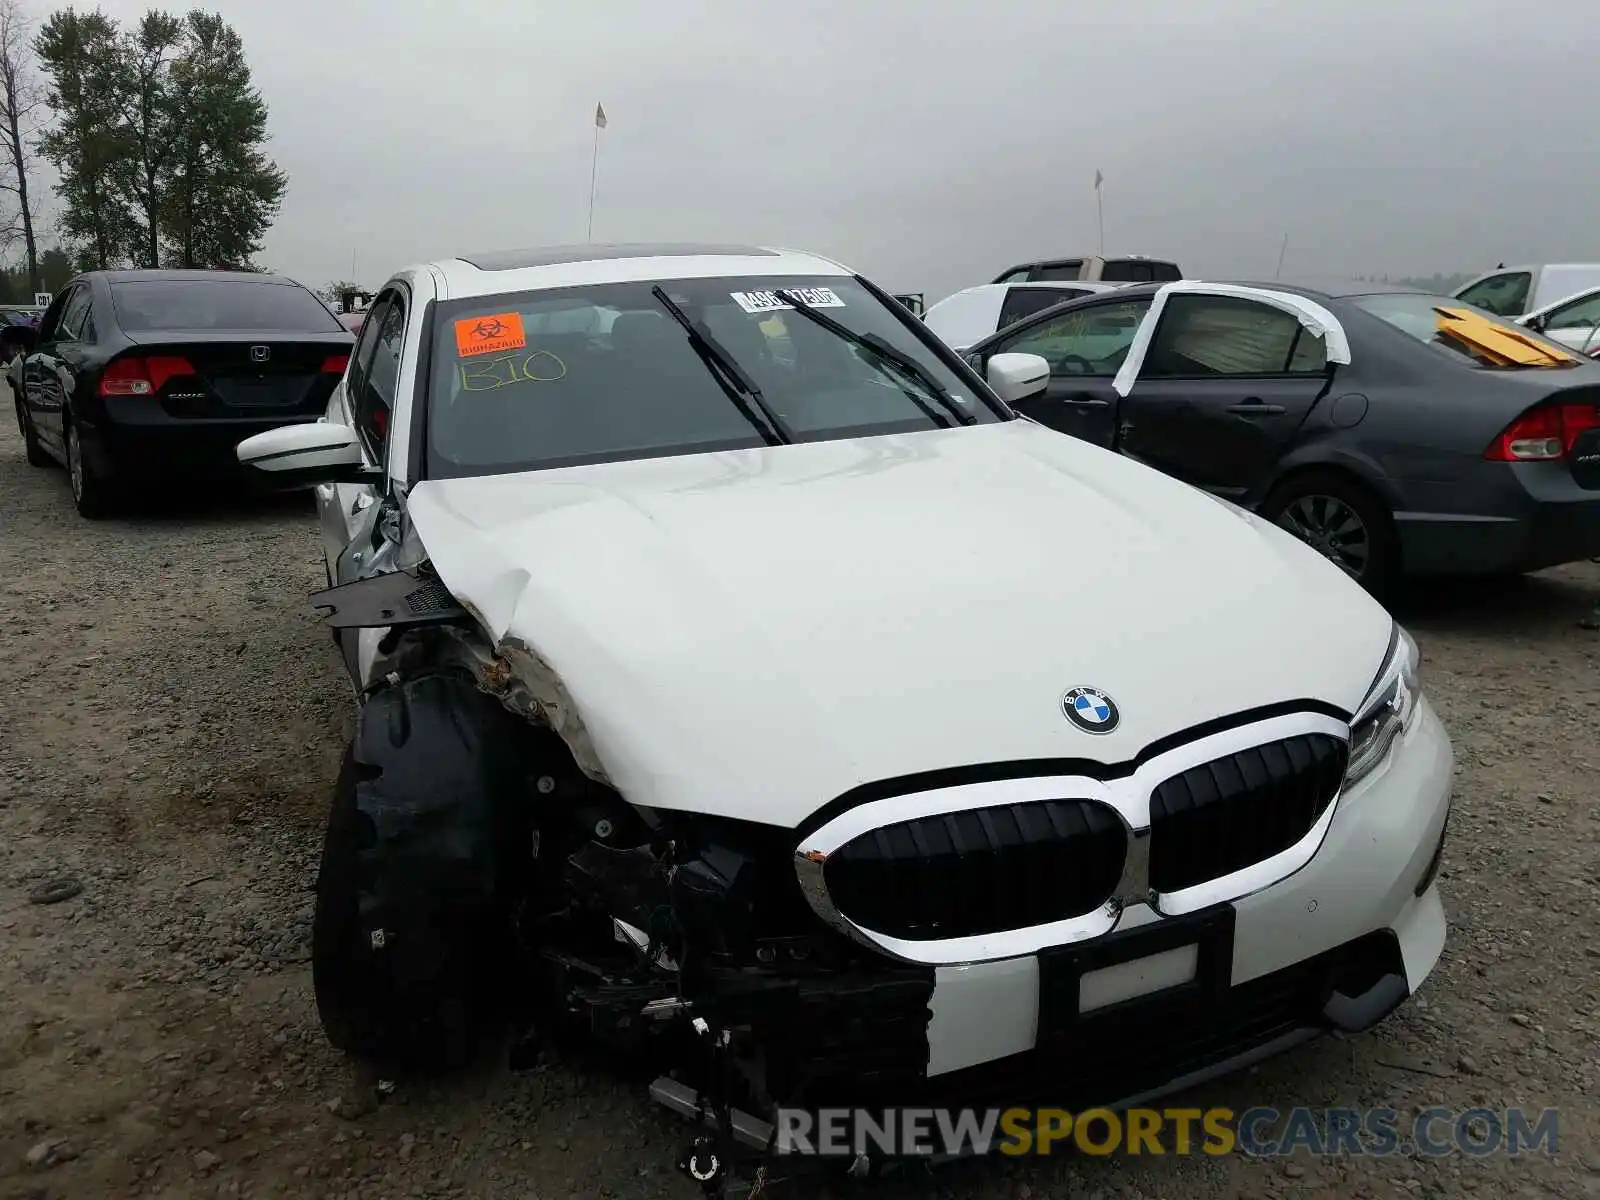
(908, 366)
(742, 390)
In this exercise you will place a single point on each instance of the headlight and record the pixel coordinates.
(1388, 710)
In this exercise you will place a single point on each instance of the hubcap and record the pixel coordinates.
(75, 461)
(1332, 528)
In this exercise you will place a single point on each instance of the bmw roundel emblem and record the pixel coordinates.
(1090, 709)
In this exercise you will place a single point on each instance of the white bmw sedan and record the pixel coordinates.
(732, 658)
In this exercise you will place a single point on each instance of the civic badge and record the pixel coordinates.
(260, 353)
(1090, 709)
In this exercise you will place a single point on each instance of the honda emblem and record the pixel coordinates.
(260, 353)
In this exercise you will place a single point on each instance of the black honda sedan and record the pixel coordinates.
(145, 377)
(1399, 433)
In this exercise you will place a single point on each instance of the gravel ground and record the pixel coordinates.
(171, 716)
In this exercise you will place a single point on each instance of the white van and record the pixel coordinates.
(1514, 291)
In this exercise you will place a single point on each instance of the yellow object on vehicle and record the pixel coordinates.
(1500, 345)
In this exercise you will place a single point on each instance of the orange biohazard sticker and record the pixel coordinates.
(490, 335)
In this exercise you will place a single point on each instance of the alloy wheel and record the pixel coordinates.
(1332, 528)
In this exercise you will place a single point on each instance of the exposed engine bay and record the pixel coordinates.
(495, 883)
(483, 876)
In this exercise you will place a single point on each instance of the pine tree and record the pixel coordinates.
(82, 59)
(224, 190)
(158, 140)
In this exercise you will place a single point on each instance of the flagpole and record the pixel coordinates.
(1284, 249)
(594, 167)
(1100, 210)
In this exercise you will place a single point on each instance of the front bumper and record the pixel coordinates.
(1338, 944)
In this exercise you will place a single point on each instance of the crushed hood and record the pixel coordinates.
(752, 633)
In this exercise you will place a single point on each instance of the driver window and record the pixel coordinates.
(1503, 295)
(70, 324)
(52, 315)
(1086, 341)
(1584, 314)
(380, 375)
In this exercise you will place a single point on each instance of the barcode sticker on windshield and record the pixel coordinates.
(761, 302)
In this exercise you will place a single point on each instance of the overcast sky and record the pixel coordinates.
(932, 144)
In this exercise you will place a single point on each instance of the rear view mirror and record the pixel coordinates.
(1017, 376)
(300, 456)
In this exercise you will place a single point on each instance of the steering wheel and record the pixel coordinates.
(1075, 361)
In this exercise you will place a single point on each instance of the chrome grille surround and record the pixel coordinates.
(1128, 796)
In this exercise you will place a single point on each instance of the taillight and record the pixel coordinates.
(1544, 433)
(140, 375)
(335, 364)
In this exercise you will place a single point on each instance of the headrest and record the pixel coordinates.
(643, 332)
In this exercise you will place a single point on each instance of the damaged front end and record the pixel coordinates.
(494, 874)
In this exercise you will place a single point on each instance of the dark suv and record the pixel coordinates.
(1131, 268)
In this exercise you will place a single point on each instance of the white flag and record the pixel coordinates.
(599, 116)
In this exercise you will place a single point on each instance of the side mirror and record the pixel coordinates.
(301, 456)
(1017, 376)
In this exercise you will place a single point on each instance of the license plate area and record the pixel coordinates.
(267, 391)
(1159, 970)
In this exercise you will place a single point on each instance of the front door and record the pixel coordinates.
(352, 513)
(49, 374)
(1084, 347)
(1224, 388)
(340, 506)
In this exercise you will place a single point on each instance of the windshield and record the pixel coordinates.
(1467, 333)
(231, 304)
(595, 374)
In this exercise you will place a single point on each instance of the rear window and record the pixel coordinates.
(1139, 270)
(227, 304)
(1419, 316)
(1125, 270)
(1024, 302)
(1059, 271)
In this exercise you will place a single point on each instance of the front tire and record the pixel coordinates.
(1343, 520)
(91, 495)
(406, 996)
(362, 1010)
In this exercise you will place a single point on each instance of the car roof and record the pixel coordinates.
(1331, 290)
(182, 276)
(1072, 285)
(497, 272)
(1587, 266)
(1093, 285)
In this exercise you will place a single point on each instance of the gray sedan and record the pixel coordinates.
(1399, 433)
